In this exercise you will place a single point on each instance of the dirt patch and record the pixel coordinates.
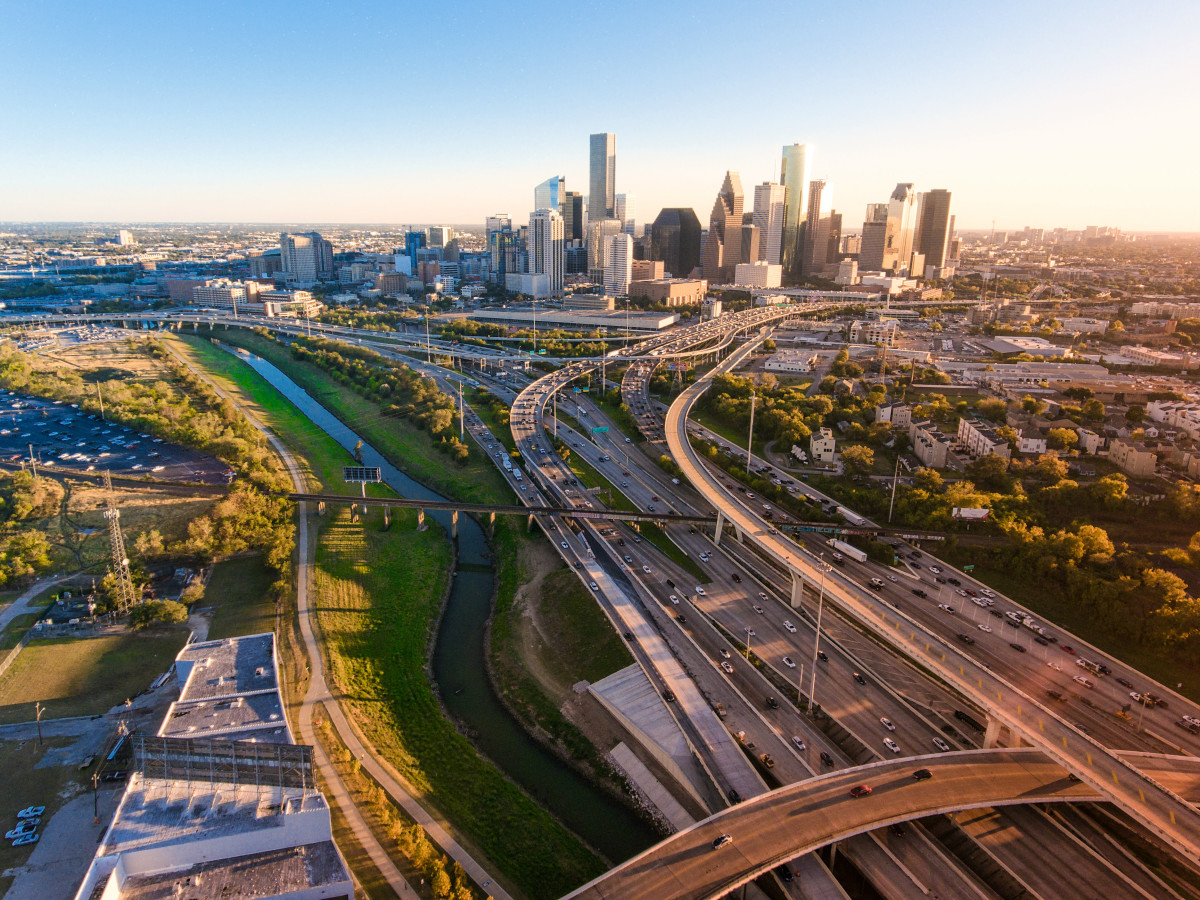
(535, 640)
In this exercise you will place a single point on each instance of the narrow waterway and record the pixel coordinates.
(459, 665)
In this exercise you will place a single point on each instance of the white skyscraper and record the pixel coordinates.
(618, 271)
(769, 211)
(550, 194)
(901, 229)
(544, 242)
(598, 233)
(625, 212)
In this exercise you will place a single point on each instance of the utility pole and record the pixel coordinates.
(748, 629)
(895, 480)
(812, 690)
(750, 439)
(100, 397)
(554, 397)
(428, 355)
(32, 461)
(120, 562)
(462, 429)
(38, 710)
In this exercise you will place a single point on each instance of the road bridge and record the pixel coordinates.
(1150, 803)
(800, 818)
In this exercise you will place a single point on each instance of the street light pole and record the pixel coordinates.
(750, 439)
(747, 643)
(895, 481)
(812, 690)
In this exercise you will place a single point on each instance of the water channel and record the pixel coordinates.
(460, 670)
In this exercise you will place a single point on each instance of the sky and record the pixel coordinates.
(1048, 114)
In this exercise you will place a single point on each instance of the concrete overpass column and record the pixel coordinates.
(797, 589)
(387, 518)
(420, 520)
(454, 524)
(991, 737)
(321, 508)
(353, 512)
(720, 528)
(529, 524)
(492, 524)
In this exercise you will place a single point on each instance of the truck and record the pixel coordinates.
(507, 464)
(851, 517)
(517, 474)
(1030, 623)
(847, 549)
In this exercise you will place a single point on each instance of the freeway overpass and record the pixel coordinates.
(776, 827)
(1149, 802)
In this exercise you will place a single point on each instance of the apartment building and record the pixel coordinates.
(982, 440)
(822, 446)
(1133, 458)
(929, 444)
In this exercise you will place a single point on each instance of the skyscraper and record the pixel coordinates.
(874, 233)
(794, 176)
(551, 194)
(618, 268)
(624, 210)
(722, 247)
(501, 240)
(602, 199)
(933, 228)
(305, 258)
(572, 213)
(440, 235)
(901, 228)
(598, 233)
(544, 243)
(675, 239)
(769, 204)
(818, 226)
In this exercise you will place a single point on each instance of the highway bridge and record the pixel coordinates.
(776, 827)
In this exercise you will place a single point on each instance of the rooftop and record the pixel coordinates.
(242, 665)
(249, 717)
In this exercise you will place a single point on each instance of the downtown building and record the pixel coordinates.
(770, 209)
(794, 176)
(675, 240)
(602, 177)
(728, 242)
(305, 258)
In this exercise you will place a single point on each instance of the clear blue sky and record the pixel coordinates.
(1042, 113)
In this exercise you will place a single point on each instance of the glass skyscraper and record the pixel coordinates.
(793, 175)
(602, 201)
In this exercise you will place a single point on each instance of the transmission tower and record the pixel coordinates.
(120, 563)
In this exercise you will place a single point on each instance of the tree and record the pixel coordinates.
(1032, 405)
(1110, 491)
(1092, 409)
(149, 543)
(991, 472)
(1061, 438)
(1050, 468)
(1135, 415)
(168, 612)
(993, 408)
(929, 480)
(858, 460)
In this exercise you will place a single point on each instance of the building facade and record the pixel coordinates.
(723, 245)
(982, 440)
(794, 176)
(618, 268)
(671, 291)
(822, 446)
(770, 202)
(602, 180)
(305, 258)
(933, 228)
(675, 239)
(1133, 458)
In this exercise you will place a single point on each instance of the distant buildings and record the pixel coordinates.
(618, 267)
(599, 231)
(440, 235)
(125, 238)
(602, 166)
(981, 439)
(933, 229)
(794, 176)
(820, 239)
(648, 270)
(671, 291)
(551, 194)
(305, 258)
(770, 208)
(758, 274)
(882, 331)
(544, 246)
(675, 240)
(625, 210)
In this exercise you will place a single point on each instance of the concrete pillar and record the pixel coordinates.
(454, 524)
(720, 528)
(797, 589)
(991, 737)
(320, 507)
(492, 524)
(529, 524)
(353, 512)
(387, 518)
(420, 520)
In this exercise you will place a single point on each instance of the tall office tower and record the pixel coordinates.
(835, 237)
(625, 212)
(500, 238)
(901, 228)
(933, 228)
(722, 247)
(794, 176)
(675, 239)
(602, 193)
(618, 268)
(544, 244)
(551, 194)
(572, 213)
(818, 224)
(874, 235)
(305, 258)
(769, 205)
(749, 243)
(440, 235)
(125, 238)
(598, 233)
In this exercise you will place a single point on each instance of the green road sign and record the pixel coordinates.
(969, 568)
(600, 428)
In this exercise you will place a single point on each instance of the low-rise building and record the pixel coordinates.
(758, 275)
(589, 301)
(981, 439)
(1031, 443)
(1148, 356)
(929, 445)
(881, 331)
(1089, 441)
(671, 291)
(899, 415)
(822, 447)
(791, 362)
(1181, 416)
(1133, 458)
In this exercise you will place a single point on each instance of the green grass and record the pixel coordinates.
(377, 596)
(730, 435)
(85, 676)
(672, 551)
(622, 418)
(241, 591)
(589, 477)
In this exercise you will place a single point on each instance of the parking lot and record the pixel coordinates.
(60, 436)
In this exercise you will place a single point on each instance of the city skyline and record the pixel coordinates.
(1026, 128)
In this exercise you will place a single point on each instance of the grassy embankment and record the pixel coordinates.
(240, 592)
(383, 669)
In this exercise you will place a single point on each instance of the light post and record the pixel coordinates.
(812, 690)
(750, 439)
(748, 630)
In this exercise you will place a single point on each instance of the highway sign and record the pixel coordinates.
(969, 568)
(363, 474)
(603, 428)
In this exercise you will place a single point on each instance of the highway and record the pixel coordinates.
(1152, 804)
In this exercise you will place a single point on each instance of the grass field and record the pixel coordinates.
(80, 677)
(241, 591)
(376, 618)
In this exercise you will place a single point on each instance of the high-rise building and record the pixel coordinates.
(818, 227)
(722, 247)
(675, 239)
(769, 209)
(624, 210)
(502, 242)
(794, 176)
(901, 229)
(544, 244)
(599, 231)
(306, 258)
(440, 235)
(551, 194)
(125, 238)
(618, 268)
(602, 160)
(572, 213)
(874, 234)
(933, 228)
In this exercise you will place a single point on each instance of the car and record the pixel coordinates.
(726, 654)
(564, 545)
(646, 569)
(675, 599)
(893, 579)
(1054, 666)
(787, 661)
(799, 742)
(722, 841)
(826, 759)
(767, 760)
(955, 582)
(961, 593)
(726, 667)
(920, 593)
(593, 586)
(891, 745)
(772, 703)
(23, 840)
(996, 613)
(966, 638)
(28, 826)
(751, 632)
(1124, 683)
(737, 578)
(734, 796)
(858, 677)
(924, 774)
(935, 570)
(1067, 648)
(668, 695)
(31, 812)
(946, 607)
(758, 609)
(887, 723)
(1084, 681)
(984, 626)
(1041, 640)
(1016, 647)
(699, 590)
(821, 656)
(877, 584)
(860, 790)
(941, 745)
(987, 592)
(789, 626)
(762, 596)
(940, 580)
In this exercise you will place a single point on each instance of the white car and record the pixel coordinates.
(699, 591)
(593, 586)
(941, 745)
(787, 661)
(789, 626)
(887, 723)
(725, 653)
(935, 570)
(564, 545)
(726, 667)
(1055, 666)
(946, 607)
(985, 627)
(987, 592)
(893, 579)
(758, 609)
(646, 569)
(674, 599)
(762, 596)
(891, 745)
(799, 742)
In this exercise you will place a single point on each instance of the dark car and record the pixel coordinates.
(955, 582)
(1041, 640)
(784, 872)
(826, 759)
(737, 577)
(734, 796)
(1128, 684)
(919, 592)
(922, 775)
(966, 639)
(996, 613)
(772, 703)
(669, 695)
(859, 678)
(1017, 647)
(821, 656)
(897, 828)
